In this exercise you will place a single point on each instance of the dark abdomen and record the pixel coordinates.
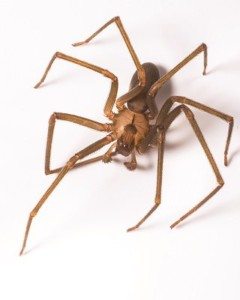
(138, 103)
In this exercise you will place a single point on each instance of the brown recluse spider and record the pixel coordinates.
(130, 130)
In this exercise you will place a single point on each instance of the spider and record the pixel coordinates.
(136, 126)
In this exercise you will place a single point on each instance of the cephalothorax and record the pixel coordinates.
(129, 130)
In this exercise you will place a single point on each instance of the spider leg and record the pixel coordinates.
(149, 141)
(160, 82)
(114, 86)
(171, 117)
(74, 119)
(107, 157)
(161, 142)
(190, 116)
(69, 165)
(118, 22)
(132, 164)
(183, 100)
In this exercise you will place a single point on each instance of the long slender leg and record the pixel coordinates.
(107, 157)
(158, 84)
(114, 86)
(80, 164)
(117, 21)
(161, 142)
(172, 116)
(69, 165)
(70, 118)
(183, 100)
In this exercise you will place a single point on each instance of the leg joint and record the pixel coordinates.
(33, 214)
(110, 137)
(117, 18)
(108, 127)
(174, 99)
(47, 171)
(59, 54)
(187, 111)
(53, 118)
(204, 46)
(72, 161)
(178, 99)
(157, 200)
(110, 75)
(110, 115)
(221, 182)
(230, 119)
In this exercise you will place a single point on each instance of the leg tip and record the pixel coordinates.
(78, 44)
(174, 224)
(49, 172)
(37, 85)
(131, 228)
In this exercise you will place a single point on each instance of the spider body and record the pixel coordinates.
(129, 129)
(131, 125)
(139, 102)
(135, 126)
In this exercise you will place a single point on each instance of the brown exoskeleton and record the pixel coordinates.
(130, 130)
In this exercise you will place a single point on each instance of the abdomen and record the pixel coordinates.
(152, 75)
(138, 103)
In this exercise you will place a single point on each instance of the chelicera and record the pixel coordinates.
(129, 129)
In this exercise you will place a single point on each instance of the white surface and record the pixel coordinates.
(78, 247)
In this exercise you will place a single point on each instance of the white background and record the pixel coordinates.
(78, 246)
